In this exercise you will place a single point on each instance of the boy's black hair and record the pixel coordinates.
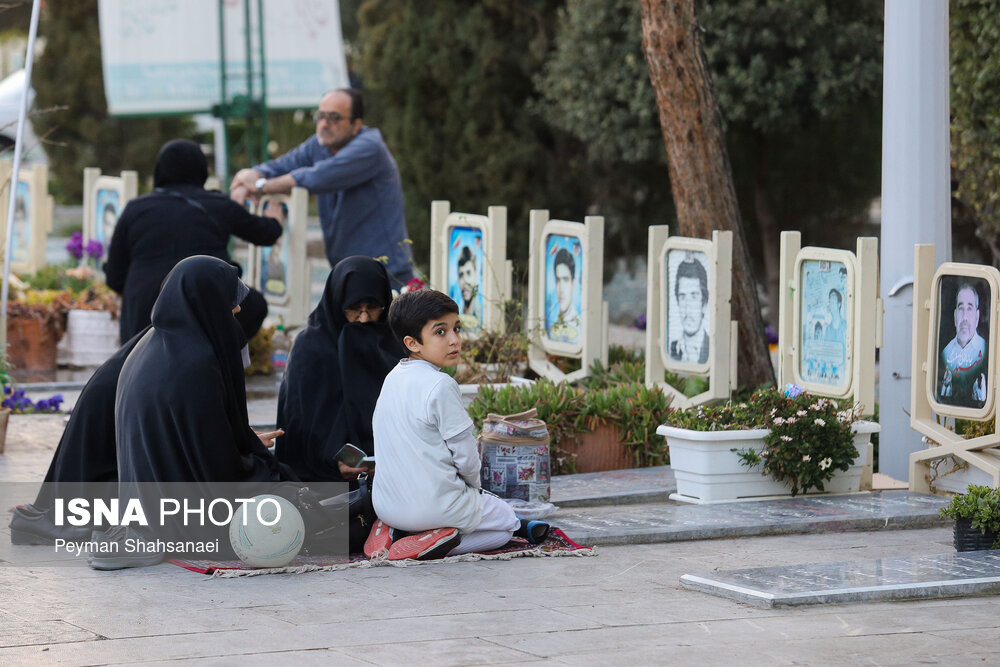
(410, 312)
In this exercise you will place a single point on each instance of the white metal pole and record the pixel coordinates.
(916, 198)
(29, 59)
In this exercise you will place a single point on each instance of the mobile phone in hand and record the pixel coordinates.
(351, 456)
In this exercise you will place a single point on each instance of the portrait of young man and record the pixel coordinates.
(563, 316)
(689, 337)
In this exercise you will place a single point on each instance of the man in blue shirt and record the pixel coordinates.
(356, 181)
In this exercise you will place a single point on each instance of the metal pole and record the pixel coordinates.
(248, 135)
(224, 104)
(29, 59)
(916, 198)
(264, 137)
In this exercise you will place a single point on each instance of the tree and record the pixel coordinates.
(449, 84)
(975, 114)
(82, 134)
(699, 165)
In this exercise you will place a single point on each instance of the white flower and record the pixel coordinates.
(786, 438)
(805, 457)
(791, 420)
(825, 463)
(819, 422)
(801, 413)
(816, 406)
(779, 421)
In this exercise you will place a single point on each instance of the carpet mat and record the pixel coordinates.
(557, 544)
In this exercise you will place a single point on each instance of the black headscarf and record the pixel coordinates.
(180, 162)
(86, 452)
(181, 405)
(335, 373)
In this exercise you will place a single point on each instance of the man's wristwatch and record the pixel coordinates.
(258, 186)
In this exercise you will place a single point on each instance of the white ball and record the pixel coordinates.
(261, 545)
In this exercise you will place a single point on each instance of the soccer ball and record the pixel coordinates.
(261, 545)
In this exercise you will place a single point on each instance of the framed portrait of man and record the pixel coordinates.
(564, 266)
(469, 263)
(20, 239)
(826, 313)
(687, 309)
(281, 271)
(104, 199)
(964, 334)
(465, 275)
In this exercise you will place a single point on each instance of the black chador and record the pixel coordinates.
(335, 373)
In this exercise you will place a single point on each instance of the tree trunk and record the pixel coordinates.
(700, 175)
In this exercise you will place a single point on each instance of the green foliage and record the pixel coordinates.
(449, 84)
(798, 84)
(981, 504)
(80, 133)
(614, 395)
(809, 438)
(975, 113)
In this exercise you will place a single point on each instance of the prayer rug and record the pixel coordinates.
(557, 544)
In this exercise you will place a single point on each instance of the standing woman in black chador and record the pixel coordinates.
(335, 372)
(179, 219)
(84, 459)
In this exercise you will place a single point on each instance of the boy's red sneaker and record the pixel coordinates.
(426, 545)
(378, 540)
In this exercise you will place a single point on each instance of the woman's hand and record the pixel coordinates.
(349, 473)
(268, 438)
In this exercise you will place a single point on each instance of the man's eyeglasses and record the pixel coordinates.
(372, 311)
(331, 117)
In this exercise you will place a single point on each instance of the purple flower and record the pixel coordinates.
(640, 322)
(95, 249)
(75, 245)
(793, 390)
(771, 334)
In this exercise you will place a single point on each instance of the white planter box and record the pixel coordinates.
(708, 471)
(91, 338)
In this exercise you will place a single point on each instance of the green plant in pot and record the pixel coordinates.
(977, 518)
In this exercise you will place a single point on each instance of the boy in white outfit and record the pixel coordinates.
(427, 477)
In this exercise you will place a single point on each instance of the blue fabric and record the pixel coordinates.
(359, 195)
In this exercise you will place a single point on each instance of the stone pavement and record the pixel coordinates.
(624, 605)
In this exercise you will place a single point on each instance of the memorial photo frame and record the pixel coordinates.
(33, 206)
(104, 199)
(566, 314)
(469, 263)
(961, 341)
(829, 320)
(281, 271)
(688, 313)
(943, 314)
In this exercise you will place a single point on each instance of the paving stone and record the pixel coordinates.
(614, 487)
(657, 522)
(899, 578)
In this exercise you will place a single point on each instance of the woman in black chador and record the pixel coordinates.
(179, 219)
(181, 412)
(84, 464)
(335, 372)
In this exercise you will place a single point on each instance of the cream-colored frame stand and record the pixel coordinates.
(293, 307)
(497, 270)
(923, 407)
(864, 321)
(39, 213)
(127, 187)
(593, 311)
(721, 365)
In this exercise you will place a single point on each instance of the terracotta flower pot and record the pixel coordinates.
(31, 345)
(599, 450)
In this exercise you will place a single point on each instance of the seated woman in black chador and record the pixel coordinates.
(335, 372)
(85, 462)
(181, 412)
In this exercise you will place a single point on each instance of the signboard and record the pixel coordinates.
(162, 56)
